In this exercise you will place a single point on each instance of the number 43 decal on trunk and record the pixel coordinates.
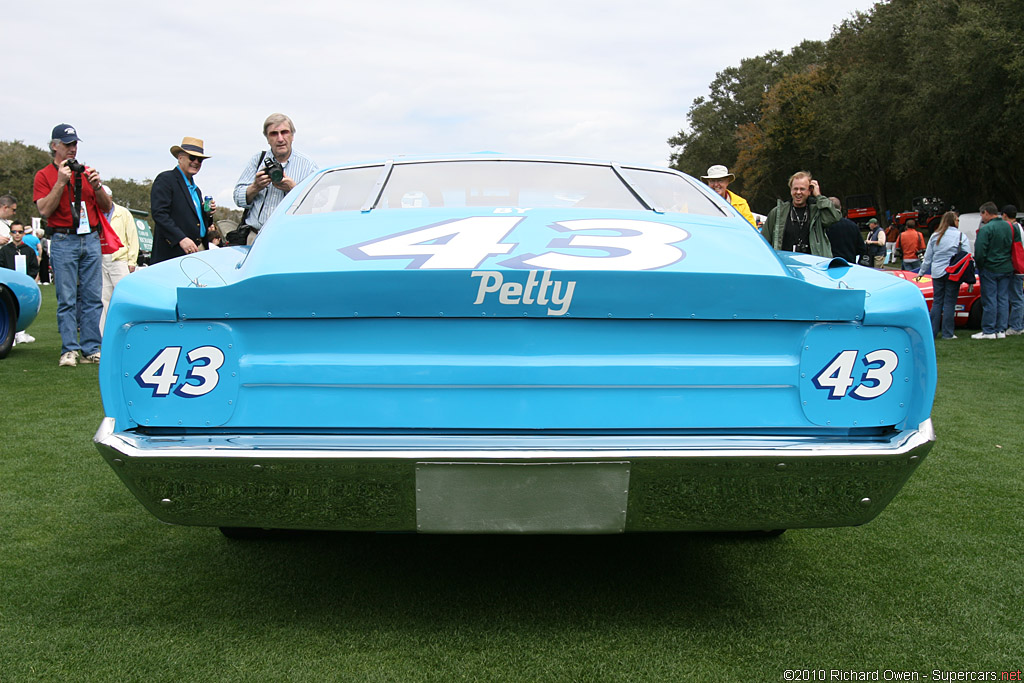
(586, 244)
(202, 377)
(838, 376)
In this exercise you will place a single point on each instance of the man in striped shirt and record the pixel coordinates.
(256, 192)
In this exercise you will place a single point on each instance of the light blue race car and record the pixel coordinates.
(19, 306)
(489, 344)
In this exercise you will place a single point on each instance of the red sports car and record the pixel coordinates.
(968, 303)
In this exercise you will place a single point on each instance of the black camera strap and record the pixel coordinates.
(76, 202)
(245, 214)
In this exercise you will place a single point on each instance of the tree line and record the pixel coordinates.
(19, 163)
(911, 98)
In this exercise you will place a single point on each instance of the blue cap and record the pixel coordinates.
(65, 133)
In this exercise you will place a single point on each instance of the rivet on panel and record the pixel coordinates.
(166, 501)
(865, 502)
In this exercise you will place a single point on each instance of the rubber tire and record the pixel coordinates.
(8, 321)
(765, 534)
(974, 316)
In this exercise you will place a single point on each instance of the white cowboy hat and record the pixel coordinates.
(718, 171)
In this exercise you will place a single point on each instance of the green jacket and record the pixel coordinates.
(992, 246)
(822, 214)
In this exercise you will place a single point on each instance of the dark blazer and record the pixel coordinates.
(174, 215)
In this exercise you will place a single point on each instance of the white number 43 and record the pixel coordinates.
(837, 376)
(202, 377)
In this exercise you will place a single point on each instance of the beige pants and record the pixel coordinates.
(113, 271)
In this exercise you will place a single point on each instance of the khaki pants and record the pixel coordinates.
(113, 271)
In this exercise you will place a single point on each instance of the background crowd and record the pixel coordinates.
(90, 242)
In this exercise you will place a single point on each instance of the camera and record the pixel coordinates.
(274, 169)
(76, 166)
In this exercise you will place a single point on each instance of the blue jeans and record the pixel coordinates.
(78, 274)
(944, 295)
(995, 301)
(1017, 303)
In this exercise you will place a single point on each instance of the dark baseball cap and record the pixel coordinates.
(65, 132)
(1010, 210)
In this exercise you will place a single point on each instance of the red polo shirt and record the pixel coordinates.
(45, 179)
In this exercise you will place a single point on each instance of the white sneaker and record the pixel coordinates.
(68, 359)
(1000, 335)
(982, 335)
(1011, 332)
(91, 358)
(23, 338)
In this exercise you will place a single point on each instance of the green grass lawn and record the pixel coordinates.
(94, 588)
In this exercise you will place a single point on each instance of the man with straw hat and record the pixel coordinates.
(179, 216)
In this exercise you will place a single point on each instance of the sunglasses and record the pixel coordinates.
(17, 232)
(195, 158)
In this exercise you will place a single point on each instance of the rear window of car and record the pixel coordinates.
(346, 189)
(502, 183)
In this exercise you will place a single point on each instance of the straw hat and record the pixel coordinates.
(193, 146)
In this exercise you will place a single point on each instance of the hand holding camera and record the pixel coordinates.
(91, 174)
(273, 168)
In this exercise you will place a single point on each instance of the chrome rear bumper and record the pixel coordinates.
(513, 484)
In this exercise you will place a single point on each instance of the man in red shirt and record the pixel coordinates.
(72, 210)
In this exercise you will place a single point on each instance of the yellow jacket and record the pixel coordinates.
(740, 204)
(123, 224)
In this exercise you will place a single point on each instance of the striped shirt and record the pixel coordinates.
(298, 167)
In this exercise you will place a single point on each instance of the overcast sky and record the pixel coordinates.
(593, 78)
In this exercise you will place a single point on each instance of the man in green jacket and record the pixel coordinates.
(800, 225)
(992, 255)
